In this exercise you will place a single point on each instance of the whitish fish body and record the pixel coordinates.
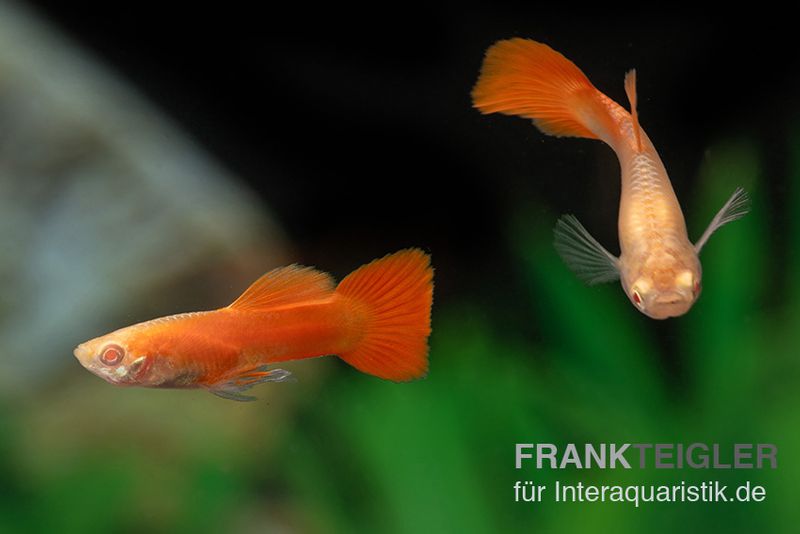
(658, 266)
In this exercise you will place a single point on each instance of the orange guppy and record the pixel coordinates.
(658, 266)
(377, 319)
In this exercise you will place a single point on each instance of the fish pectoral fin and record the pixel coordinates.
(582, 253)
(735, 208)
(231, 387)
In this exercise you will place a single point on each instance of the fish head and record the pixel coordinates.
(114, 358)
(664, 293)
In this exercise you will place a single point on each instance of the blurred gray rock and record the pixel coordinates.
(105, 207)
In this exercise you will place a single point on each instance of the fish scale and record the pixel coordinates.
(658, 267)
(290, 313)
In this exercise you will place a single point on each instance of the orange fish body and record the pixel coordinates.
(658, 266)
(377, 319)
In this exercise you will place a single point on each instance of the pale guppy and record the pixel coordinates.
(658, 266)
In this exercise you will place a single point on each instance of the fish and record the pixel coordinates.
(377, 319)
(658, 266)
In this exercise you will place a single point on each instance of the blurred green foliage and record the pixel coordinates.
(354, 454)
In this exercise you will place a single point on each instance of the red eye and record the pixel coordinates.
(636, 297)
(112, 354)
(696, 288)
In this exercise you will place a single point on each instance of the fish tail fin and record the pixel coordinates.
(529, 79)
(394, 296)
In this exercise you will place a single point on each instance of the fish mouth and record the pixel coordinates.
(668, 304)
(82, 353)
(668, 299)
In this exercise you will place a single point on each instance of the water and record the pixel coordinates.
(237, 143)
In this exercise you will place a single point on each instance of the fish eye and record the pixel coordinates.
(696, 288)
(112, 354)
(637, 298)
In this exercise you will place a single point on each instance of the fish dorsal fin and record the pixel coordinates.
(583, 254)
(630, 90)
(285, 285)
(735, 208)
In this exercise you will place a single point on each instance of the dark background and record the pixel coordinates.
(354, 123)
(355, 127)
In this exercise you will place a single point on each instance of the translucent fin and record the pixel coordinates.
(630, 90)
(232, 388)
(285, 285)
(587, 258)
(735, 208)
(230, 395)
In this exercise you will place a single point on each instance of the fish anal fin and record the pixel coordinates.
(232, 386)
(285, 285)
(735, 208)
(630, 90)
(232, 395)
(583, 254)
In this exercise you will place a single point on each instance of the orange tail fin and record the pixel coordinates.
(530, 79)
(395, 294)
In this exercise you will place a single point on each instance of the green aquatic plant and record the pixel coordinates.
(437, 455)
